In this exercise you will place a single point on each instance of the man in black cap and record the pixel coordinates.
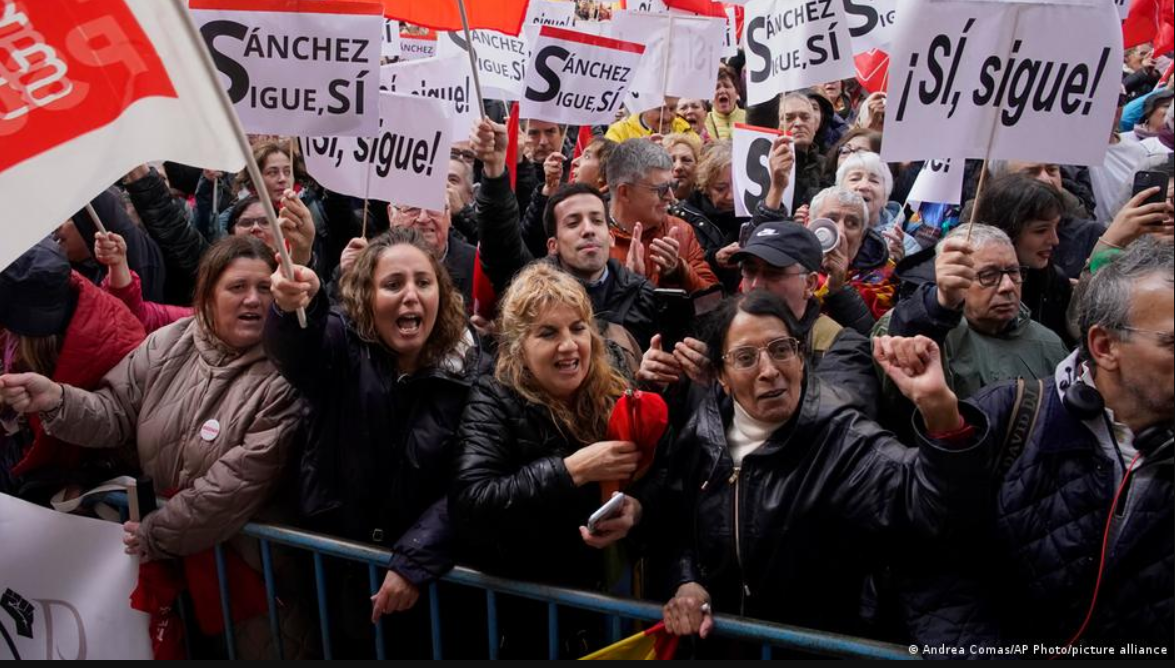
(783, 258)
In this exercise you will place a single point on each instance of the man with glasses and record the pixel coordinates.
(974, 313)
(436, 228)
(649, 241)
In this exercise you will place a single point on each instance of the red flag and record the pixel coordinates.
(1150, 21)
(652, 644)
(512, 126)
(485, 298)
(501, 15)
(699, 7)
(872, 70)
(640, 417)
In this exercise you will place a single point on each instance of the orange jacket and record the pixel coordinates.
(692, 274)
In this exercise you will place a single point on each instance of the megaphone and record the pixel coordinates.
(826, 232)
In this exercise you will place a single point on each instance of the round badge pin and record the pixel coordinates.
(210, 430)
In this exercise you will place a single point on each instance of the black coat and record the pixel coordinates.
(715, 230)
(815, 504)
(142, 254)
(516, 509)
(379, 448)
(1047, 293)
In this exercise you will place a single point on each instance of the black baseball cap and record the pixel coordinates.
(782, 244)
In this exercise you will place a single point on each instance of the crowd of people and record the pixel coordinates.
(951, 426)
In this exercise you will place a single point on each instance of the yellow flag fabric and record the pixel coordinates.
(653, 644)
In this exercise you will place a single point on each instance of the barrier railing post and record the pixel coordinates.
(434, 613)
(225, 603)
(275, 628)
(323, 612)
(613, 629)
(552, 631)
(765, 653)
(492, 623)
(373, 579)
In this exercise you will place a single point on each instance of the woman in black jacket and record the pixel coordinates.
(533, 451)
(783, 493)
(710, 211)
(387, 376)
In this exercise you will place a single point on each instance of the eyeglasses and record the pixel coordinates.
(779, 350)
(1165, 339)
(413, 212)
(989, 278)
(250, 223)
(849, 149)
(663, 190)
(463, 154)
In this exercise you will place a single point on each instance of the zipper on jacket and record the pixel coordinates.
(744, 590)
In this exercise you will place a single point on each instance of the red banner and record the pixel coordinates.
(502, 15)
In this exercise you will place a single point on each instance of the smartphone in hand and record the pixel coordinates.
(612, 508)
(1144, 180)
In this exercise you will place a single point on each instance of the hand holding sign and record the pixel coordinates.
(552, 172)
(666, 252)
(874, 116)
(635, 262)
(954, 271)
(780, 163)
(488, 141)
(289, 295)
(350, 254)
(298, 227)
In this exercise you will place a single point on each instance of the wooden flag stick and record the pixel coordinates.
(481, 103)
(94, 217)
(364, 232)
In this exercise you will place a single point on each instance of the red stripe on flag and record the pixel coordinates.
(353, 7)
(700, 7)
(756, 128)
(591, 40)
(502, 15)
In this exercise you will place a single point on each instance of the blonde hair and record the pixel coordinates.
(690, 139)
(716, 160)
(536, 289)
(357, 289)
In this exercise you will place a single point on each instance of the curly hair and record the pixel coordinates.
(715, 164)
(357, 288)
(534, 291)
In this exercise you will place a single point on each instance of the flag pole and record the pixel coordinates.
(215, 210)
(481, 103)
(279, 239)
(665, 80)
(94, 217)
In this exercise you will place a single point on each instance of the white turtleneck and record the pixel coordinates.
(746, 434)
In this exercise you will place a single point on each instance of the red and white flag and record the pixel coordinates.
(89, 89)
(502, 15)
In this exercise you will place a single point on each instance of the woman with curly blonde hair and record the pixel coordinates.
(386, 375)
(532, 449)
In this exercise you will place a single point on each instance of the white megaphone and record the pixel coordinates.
(826, 232)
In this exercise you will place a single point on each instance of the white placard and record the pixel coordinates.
(730, 40)
(405, 164)
(651, 6)
(1123, 8)
(1039, 82)
(417, 47)
(547, 13)
(297, 72)
(390, 40)
(65, 587)
(445, 78)
(794, 44)
(939, 181)
(501, 59)
(578, 78)
(682, 53)
(871, 23)
(751, 147)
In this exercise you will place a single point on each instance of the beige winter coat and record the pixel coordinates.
(213, 425)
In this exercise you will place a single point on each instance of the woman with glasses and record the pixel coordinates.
(783, 495)
(854, 141)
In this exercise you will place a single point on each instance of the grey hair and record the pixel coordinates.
(870, 162)
(981, 235)
(1107, 299)
(840, 195)
(632, 159)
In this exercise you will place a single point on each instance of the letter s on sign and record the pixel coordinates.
(544, 70)
(237, 74)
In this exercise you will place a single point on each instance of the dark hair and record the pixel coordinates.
(831, 159)
(564, 192)
(1012, 200)
(729, 73)
(212, 265)
(238, 210)
(756, 302)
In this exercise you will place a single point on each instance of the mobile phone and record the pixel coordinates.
(606, 512)
(670, 293)
(1144, 180)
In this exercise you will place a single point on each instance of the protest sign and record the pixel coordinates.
(417, 47)
(88, 92)
(62, 602)
(681, 57)
(1123, 8)
(442, 78)
(730, 41)
(1003, 80)
(390, 42)
(751, 147)
(939, 181)
(578, 78)
(872, 70)
(297, 66)
(406, 163)
(651, 6)
(501, 59)
(793, 44)
(548, 13)
(871, 23)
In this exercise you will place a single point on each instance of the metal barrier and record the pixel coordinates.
(766, 634)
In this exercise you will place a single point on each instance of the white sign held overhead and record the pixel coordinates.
(417, 47)
(730, 39)
(404, 164)
(443, 78)
(682, 53)
(751, 148)
(871, 23)
(578, 78)
(63, 602)
(1002, 80)
(501, 59)
(390, 40)
(548, 13)
(312, 71)
(939, 181)
(793, 44)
